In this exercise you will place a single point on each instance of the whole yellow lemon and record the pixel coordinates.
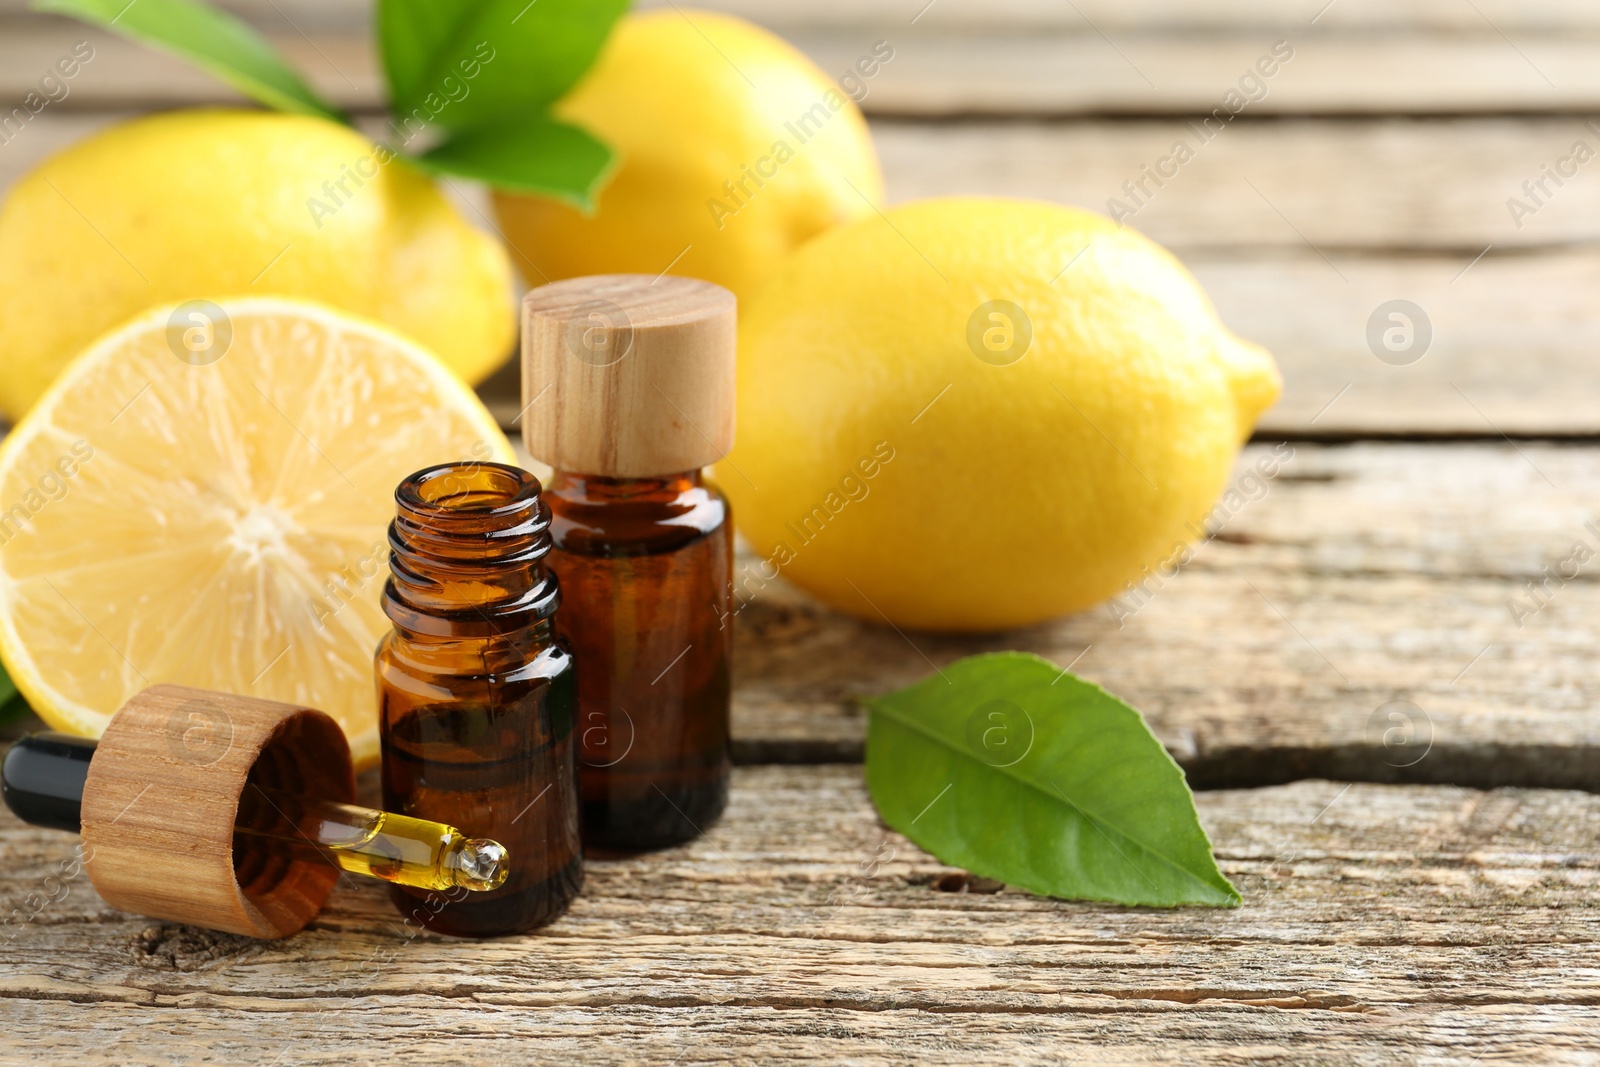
(734, 149)
(208, 203)
(977, 414)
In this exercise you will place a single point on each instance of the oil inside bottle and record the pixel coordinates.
(477, 765)
(646, 569)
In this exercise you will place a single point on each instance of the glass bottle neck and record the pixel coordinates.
(615, 517)
(466, 554)
(598, 489)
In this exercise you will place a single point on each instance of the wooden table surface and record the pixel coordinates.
(1397, 909)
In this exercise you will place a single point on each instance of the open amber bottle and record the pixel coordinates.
(629, 385)
(476, 694)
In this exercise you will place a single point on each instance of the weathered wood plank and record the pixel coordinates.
(123, 74)
(952, 71)
(1155, 72)
(1359, 576)
(1378, 185)
(1380, 925)
(1346, 186)
(1511, 343)
(986, 15)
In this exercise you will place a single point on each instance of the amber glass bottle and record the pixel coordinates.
(476, 694)
(650, 560)
(629, 386)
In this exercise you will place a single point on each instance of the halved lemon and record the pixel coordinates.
(202, 498)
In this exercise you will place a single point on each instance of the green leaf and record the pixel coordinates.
(11, 703)
(536, 155)
(213, 40)
(462, 66)
(1011, 768)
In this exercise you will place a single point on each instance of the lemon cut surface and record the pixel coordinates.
(203, 500)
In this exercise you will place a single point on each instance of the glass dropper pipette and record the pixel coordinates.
(43, 776)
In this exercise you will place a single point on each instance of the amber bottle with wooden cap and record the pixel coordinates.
(628, 391)
(476, 693)
(228, 812)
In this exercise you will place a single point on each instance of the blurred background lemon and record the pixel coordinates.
(982, 413)
(735, 149)
(212, 202)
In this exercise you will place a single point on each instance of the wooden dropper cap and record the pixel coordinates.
(628, 375)
(162, 795)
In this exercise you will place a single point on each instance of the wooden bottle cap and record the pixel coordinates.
(162, 794)
(628, 376)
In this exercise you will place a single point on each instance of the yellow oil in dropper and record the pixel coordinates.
(380, 844)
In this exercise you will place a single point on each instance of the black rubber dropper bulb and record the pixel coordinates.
(43, 776)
